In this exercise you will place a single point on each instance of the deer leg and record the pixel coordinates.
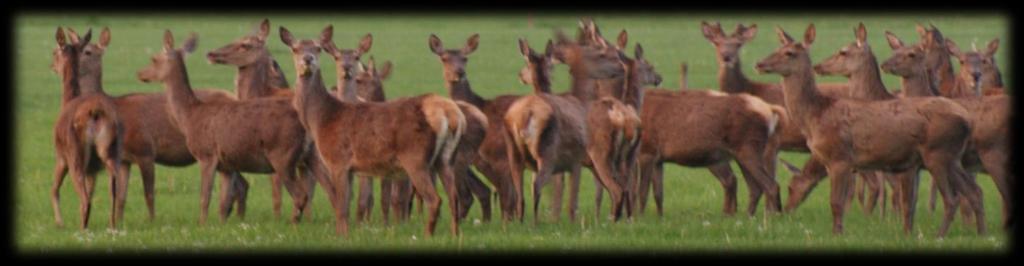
(646, 165)
(450, 182)
(842, 181)
(365, 203)
(557, 195)
(543, 175)
(754, 164)
(207, 169)
(386, 194)
(148, 184)
(424, 186)
(802, 184)
(754, 191)
(658, 187)
(858, 189)
(78, 178)
(974, 196)
(241, 189)
(480, 191)
(907, 183)
(598, 193)
(516, 164)
(723, 172)
(931, 202)
(275, 190)
(342, 191)
(574, 191)
(60, 170)
(227, 195)
(939, 166)
(306, 175)
(996, 164)
(602, 164)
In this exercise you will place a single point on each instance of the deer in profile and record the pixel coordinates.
(231, 136)
(150, 135)
(843, 135)
(416, 136)
(88, 135)
(989, 146)
(550, 133)
(491, 158)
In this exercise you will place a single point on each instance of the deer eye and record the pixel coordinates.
(246, 46)
(789, 54)
(911, 55)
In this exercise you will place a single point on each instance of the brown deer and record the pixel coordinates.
(150, 135)
(979, 74)
(231, 136)
(990, 142)
(843, 135)
(416, 135)
(259, 76)
(492, 160)
(88, 135)
(550, 133)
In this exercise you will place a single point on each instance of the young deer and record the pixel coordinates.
(258, 77)
(417, 135)
(989, 115)
(88, 135)
(843, 135)
(549, 133)
(232, 136)
(979, 74)
(491, 158)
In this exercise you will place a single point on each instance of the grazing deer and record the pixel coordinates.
(88, 135)
(843, 135)
(231, 136)
(417, 135)
(259, 76)
(550, 133)
(491, 159)
(989, 115)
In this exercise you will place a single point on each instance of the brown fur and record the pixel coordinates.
(989, 144)
(841, 134)
(417, 135)
(88, 136)
(229, 136)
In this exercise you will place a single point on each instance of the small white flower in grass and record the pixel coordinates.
(706, 223)
(244, 226)
(413, 237)
(477, 222)
(739, 223)
(991, 239)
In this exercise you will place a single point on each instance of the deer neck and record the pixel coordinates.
(69, 81)
(962, 88)
(919, 84)
(541, 81)
(866, 82)
(581, 86)
(944, 77)
(802, 98)
(731, 78)
(177, 85)
(461, 91)
(346, 86)
(312, 99)
(251, 80)
(90, 82)
(632, 89)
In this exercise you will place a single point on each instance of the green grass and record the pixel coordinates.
(693, 220)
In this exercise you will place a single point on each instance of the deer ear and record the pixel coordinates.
(862, 34)
(894, 42)
(471, 44)
(61, 38)
(748, 33)
(549, 50)
(524, 48)
(922, 31)
(708, 31)
(264, 29)
(953, 49)
(366, 43)
(435, 45)
(104, 38)
(73, 36)
(623, 39)
(638, 51)
(784, 37)
(371, 65)
(385, 70)
(168, 41)
(327, 34)
(190, 44)
(992, 47)
(809, 35)
(286, 36)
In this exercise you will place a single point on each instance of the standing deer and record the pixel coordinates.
(844, 135)
(491, 159)
(550, 133)
(150, 135)
(231, 136)
(417, 135)
(88, 135)
(979, 74)
(990, 142)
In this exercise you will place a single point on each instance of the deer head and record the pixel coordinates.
(90, 61)
(243, 51)
(598, 61)
(454, 60)
(346, 60)
(538, 66)
(306, 53)
(978, 68)
(727, 48)
(65, 50)
(164, 62)
(370, 76)
(850, 58)
(791, 57)
(906, 60)
(642, 69)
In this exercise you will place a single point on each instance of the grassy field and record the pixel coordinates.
(693, 221)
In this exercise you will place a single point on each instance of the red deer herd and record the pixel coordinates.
(613, 120)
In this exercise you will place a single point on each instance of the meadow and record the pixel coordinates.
(693, 220)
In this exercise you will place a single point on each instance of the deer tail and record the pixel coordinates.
(448, 124)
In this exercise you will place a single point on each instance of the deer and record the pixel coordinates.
(732, 80)
(979, 74)
(932, 133)
(232, 136)
(491, 159)
(549, 133)
(989, 142)
(416, 135)
(149, 134)
(88, 135)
